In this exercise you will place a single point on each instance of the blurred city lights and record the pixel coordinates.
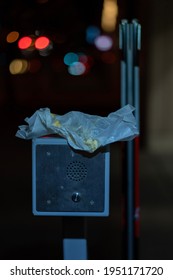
(31, 48)
(28, 44)
(18, 66)
(42, 42)
(25, 42)
(70, 58)
(86, 60)
(78, 63)
(76, 68)
(91, 33)
(103, 42)
(12, 37)
(109, 15)
(83, 58)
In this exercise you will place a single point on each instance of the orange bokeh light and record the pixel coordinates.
(12, 36)
(42, 43)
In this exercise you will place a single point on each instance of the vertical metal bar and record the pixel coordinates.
(136, 161)
(130, 152)
(129, 50)
(129, 43)
(136, 198)
(74, 249)
(130, 200)
(74, 238)
(124, 101)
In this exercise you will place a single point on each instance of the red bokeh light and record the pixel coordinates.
(42, 43)
(24, 42)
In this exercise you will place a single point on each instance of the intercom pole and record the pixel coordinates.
(129, 38)
(74, 238)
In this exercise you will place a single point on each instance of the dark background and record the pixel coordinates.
(24, 236)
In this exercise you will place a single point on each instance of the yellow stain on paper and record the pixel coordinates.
(92, 144)
(57, 123)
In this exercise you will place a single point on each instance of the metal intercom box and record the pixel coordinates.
(67, 182)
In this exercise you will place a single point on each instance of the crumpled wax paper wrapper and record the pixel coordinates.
(82, 131)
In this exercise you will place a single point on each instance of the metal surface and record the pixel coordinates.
(130, 44)
(67, 182)
(74, 249)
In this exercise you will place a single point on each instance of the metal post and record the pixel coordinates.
(130, 44)
(74, 238)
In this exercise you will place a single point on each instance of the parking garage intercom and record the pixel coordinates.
(68, 182)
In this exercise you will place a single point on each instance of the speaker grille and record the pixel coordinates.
(76, 171)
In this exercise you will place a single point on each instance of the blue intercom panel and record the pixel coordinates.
(67, 182)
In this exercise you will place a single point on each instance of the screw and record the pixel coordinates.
(76, 197)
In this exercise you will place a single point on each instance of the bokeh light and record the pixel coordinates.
(76, 68)
(12, 37)
(103, 42)
(18, 66)
(82, 58)
(70, 58)
(92, 32)
(86, 60)
(25, 42)
(42, 42)
(78, 63)
(109, 15)
(31, 48)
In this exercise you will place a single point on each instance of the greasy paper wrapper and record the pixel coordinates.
(82, 131)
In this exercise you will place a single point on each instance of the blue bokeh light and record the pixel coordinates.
(92, 32)
(76, 68)
(70, 58)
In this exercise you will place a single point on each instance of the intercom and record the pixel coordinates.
(68, 182)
